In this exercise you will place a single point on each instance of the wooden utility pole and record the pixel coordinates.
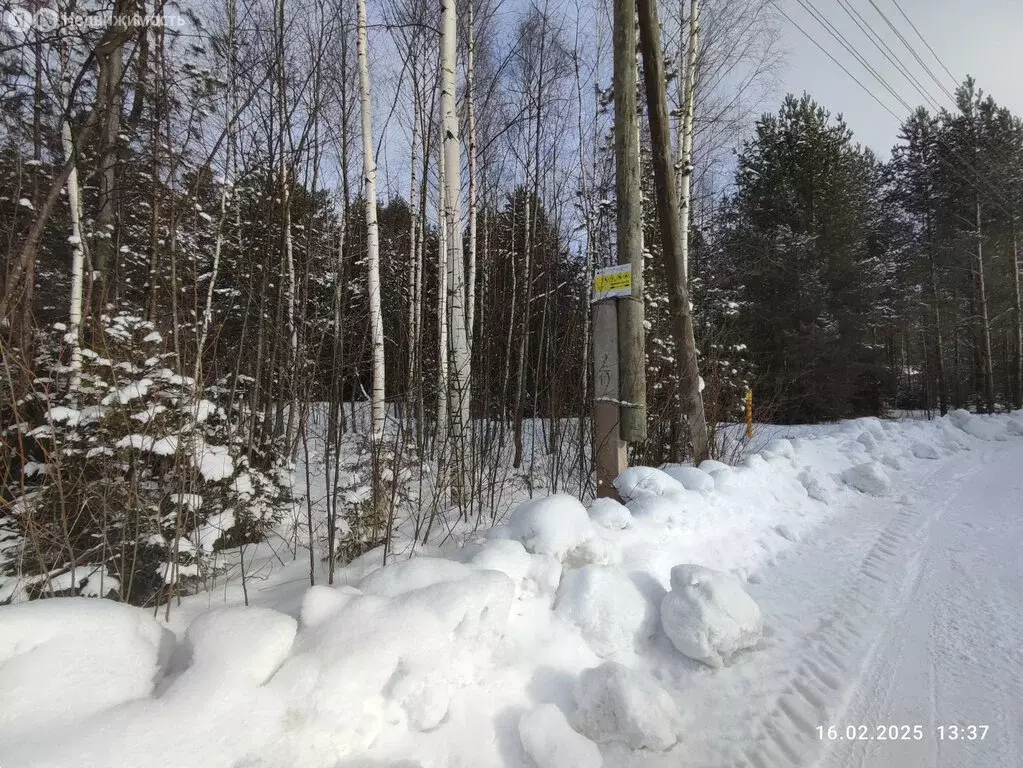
(619, 365)
(608, 447)
(631, 335)
(671, 226)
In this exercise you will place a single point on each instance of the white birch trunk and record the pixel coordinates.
(289, 248)
(413, 234)
(470, 96)
(442, 324)
(685, 160)
(452, 191)
(77, 259)
(372, 230)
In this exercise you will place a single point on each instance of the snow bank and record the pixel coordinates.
(550, 742)
(610, 514)
(985, 427)
(708, 616)
(320, 603)
(637, 482)
(612, 614)
(869, 478)
(531, 574)
(691, 478)
(238, 644)
(613, 703)
(408, 575)
(554, 526)
(70, 657)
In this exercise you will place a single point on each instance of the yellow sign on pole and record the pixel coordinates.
(749, 413)
(612, 282)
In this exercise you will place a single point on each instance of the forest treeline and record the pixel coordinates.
(195, 288)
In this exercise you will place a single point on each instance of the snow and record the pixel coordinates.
(126, 394)
(409, 575)
(320, 603)
(609, 610)
(214, 462)
(238, 644)
(691, 478)
(161, 446)
(610, 514)
(869, 477)
(570, 635)
(925, 450)
(615, 703)
(984, 427)
(712, 465)
(638, 482)
(708, 616)
(556, 526)
(534, 575)
(66, 658)
(551, 743)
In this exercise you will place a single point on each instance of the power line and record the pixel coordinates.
(912, 50)
(924, 41)
(842, 40)
(839, 64)
(881, 45)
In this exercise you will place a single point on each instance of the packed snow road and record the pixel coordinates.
(893, 638)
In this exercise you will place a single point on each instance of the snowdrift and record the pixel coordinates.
(555, 641)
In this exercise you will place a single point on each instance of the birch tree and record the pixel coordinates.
(460, 363)
(372, 231)
(685, 150)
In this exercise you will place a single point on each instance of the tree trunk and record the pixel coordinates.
(686, 147)
(372, 230)
(670, 220)
(985, 322)
(110, 74)
(77, 257)
(1018, 302)
(442, 329)
(452, 190)
(939, 347)
(470, 98)
(631, 332)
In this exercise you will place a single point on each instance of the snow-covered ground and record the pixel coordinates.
(844, 585)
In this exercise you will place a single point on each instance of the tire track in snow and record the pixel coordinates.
(832, 658)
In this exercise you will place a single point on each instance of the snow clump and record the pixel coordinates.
(610, 514)
(869, 478)
(72, 657)
(551, 743)
(708, 616)
(555, 525)
(638, 482)
(614, 703)
(609, 610)
(692, 479)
